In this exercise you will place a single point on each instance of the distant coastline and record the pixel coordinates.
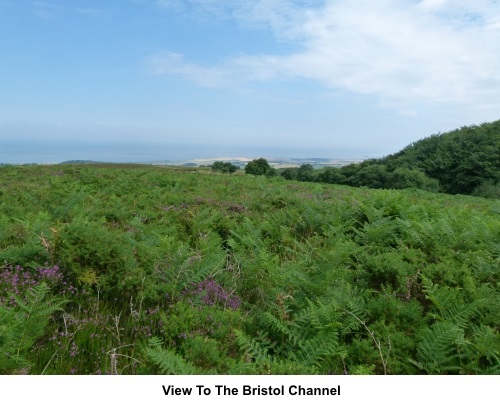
(277, 163)
(22, 152)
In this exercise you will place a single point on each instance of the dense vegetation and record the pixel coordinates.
(464, 161)
(146, 270)
(258, 167)
(224, 167)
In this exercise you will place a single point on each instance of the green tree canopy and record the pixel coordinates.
(461, 160)
(289, 173)
(331, 175)
(306, 172)
(258, 167)
(403, 177)
(373, 176)
(224, 167)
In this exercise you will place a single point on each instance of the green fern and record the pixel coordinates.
(22, 325)
(437, 351)
(167, 361)
(310, 337)
(448, 304)
(315, 351)
(192, 267)
(254, 349)
(484, 350)
(281, 328)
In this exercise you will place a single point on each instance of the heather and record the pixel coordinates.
(128, 269)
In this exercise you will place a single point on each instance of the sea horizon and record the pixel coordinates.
(54, 153)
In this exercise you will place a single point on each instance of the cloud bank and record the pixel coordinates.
(430, 50)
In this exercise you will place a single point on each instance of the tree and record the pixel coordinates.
(403, 177)
(348, 172)
(290, 173)
(224, 167)
(258, 167)
(272, 172)
(488, 189)
(373, 176)
(460, 160)
(331, 175)
(306, 172)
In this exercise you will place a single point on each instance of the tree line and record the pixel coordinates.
(463, 161)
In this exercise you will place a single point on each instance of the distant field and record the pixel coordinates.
(136, 269)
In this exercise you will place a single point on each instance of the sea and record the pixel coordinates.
(38, 152)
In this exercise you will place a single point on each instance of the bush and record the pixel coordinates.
(258, 167)
(411, 178)
(488, 189)
(224, 167)
(290, 173)
(306, 172)
(331, 175)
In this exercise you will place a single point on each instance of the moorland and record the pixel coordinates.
(140, 269)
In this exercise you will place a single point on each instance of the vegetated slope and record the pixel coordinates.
(464, 161)
(461, 160)
(153, 270)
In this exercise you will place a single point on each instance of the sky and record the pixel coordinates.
(299, 78)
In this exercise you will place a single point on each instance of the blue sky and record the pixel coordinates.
(314, 77)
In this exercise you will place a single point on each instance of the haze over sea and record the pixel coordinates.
(14, 152)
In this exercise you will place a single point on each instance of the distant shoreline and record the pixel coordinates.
(24, 152)
(278, 163)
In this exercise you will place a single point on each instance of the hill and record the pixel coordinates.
(463, 161)
(148, 270)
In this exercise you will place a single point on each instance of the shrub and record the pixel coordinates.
(258, 167)
(224, 167)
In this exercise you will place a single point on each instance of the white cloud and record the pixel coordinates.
(397, 52)
(431, 50)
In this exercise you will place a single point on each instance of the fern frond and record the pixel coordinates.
(24, 324)
(280, 327)
(170, 362)
(252, 349)
(155, 342)
(314, 351)
(448, 304)
(437, 351)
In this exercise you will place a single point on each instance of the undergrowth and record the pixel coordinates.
(109, 270)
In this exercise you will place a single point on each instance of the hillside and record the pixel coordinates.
(460, 160)
(464, 161)
(108, 270)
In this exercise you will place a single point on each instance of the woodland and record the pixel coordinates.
(463, 161)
